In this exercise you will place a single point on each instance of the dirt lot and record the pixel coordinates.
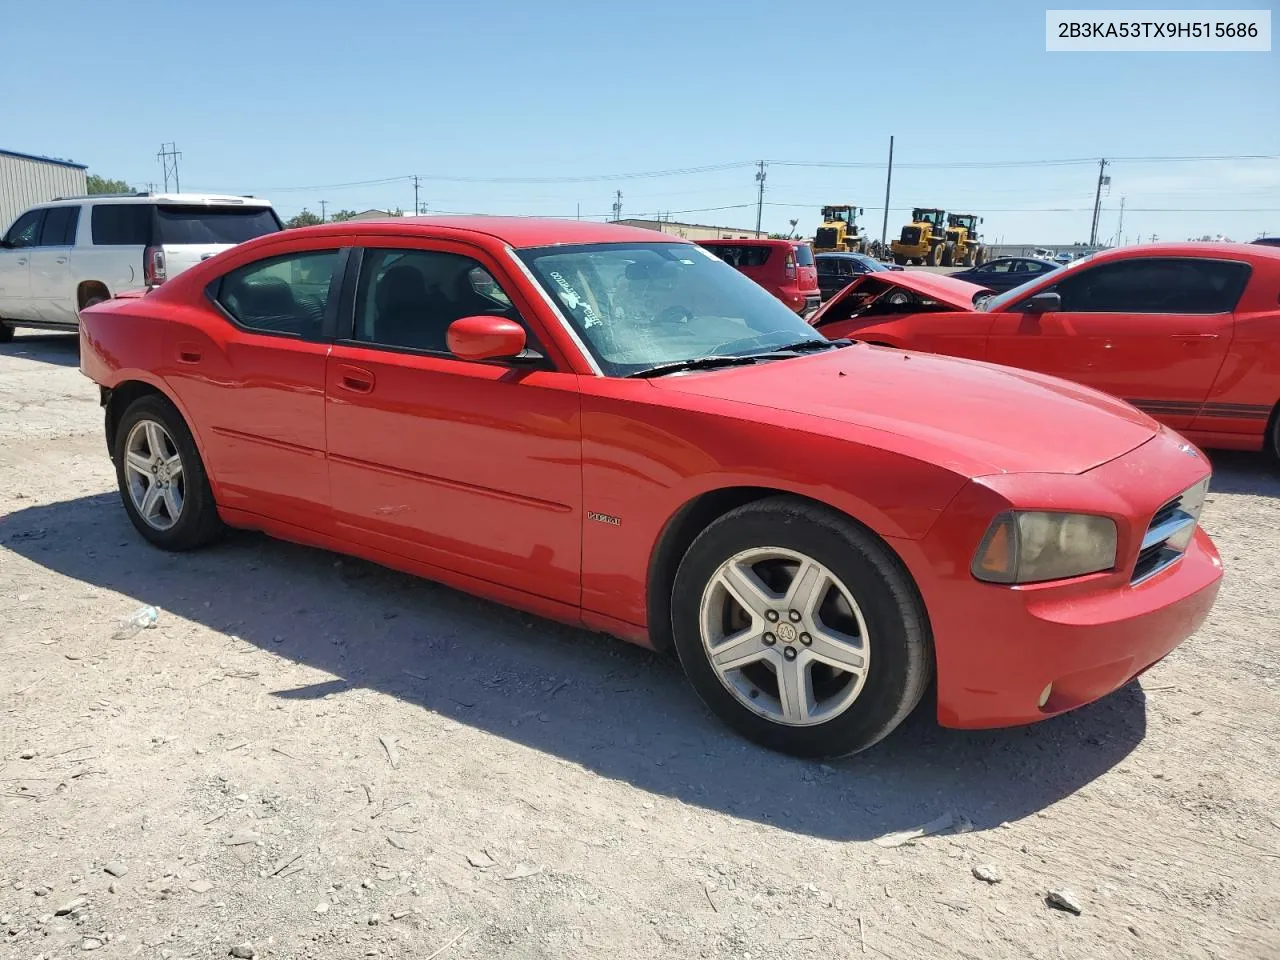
(322, 758)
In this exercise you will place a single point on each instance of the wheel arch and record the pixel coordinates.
(694, 516)
(88, 288)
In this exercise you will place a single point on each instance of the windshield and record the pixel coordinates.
(642, 305)
(204, 225)
(929, 216)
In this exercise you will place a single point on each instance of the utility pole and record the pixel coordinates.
(417, 207)
(888, 180)
(617, 206)
(1097, 201)
(168, 157)
(579, 210)
(1120, 225)
(760, 175)
(323, 214)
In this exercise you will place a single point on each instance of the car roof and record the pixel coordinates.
(515, 231)
(750, 241)
(1190, 248)
(843, 255)
(177, 199)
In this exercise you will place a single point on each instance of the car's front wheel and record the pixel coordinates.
(162, 479)
(800, 629)
(6, 333)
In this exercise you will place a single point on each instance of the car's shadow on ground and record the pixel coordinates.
(617, 710)
(62, 349)
(1235, 471)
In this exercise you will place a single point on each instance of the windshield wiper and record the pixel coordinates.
(697, 363)
(802, 346)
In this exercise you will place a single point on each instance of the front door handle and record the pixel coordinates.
(60, 260)
(22, 261)
(189, 353)
(1195, 336)
(355, 379)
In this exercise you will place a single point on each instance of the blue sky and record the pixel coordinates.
(290, 99)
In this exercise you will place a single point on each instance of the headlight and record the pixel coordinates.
(1028, 547)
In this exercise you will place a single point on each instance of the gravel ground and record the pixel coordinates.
(310, 756)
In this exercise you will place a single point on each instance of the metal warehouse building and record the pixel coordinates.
(27, 180)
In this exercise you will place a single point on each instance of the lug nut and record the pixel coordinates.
(806, 639)
(770, 639)
(771, 616)
(789, 653)
(795, 616)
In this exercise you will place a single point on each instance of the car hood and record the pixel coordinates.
(972, 417)
(957, 294)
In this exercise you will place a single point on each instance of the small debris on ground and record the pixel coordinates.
(244, 951)
(902, 837)
(481, 860)
(116, 868)
(1063, 899)
(988, 873)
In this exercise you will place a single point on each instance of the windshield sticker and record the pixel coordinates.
(574, 301)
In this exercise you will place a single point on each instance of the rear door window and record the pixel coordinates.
(121, 224)
(804, 255)
(59, 228)
(179, 224)
(285, 295)
(741, 255)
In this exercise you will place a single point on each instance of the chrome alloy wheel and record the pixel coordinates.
(784, 636)
(153, 473)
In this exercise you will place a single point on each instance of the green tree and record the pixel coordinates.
(97, 184)
(304, 219)
(340, 215)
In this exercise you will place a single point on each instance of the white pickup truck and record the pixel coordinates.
(70, 253)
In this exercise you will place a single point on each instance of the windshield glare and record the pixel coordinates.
(640, 305)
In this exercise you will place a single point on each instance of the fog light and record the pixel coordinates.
(1044, 695)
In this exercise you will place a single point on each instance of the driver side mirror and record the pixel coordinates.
(485, 338)
(1043, 303)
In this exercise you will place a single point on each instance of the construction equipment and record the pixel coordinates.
(923, 239)
(962, 246)
(839, 230)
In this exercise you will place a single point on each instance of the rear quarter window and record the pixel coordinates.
(121, 225)
(804, 255)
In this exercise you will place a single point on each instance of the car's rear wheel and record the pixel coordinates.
(1275, 432)
(6, 333)
(800, 629)
(162, 480)
(899, 260)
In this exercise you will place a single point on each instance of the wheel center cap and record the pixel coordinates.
(787, 633)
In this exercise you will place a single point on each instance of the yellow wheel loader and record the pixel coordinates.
(923, 240)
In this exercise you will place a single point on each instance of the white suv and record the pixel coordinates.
(68, 254)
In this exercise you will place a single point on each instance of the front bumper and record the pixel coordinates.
(998, 648)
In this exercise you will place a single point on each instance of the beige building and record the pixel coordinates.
(27, 180)
(693, 231)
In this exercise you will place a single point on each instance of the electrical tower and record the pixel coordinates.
(617, 206)
(760, 175)
(168, 157)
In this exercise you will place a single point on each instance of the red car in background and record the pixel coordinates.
(604, 426)
(1188, 332)
(783, 267)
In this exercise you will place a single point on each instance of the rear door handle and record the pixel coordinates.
(22, 261)
(60, 260)
(355, 379)
(1195, 336)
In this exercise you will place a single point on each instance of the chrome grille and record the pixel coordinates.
(1169, 532)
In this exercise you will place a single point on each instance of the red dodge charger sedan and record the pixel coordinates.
(613, 428)
(1188, 332)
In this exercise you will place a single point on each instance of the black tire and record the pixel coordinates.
(198, 522)
(6, 333)
(900, 643)
(980, 256)
(948, 254)
(899, 259)
(935, 255)
(1274, 432)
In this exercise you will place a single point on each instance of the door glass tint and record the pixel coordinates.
(1000, 266)
(59, 228)
(26, 230)
(202, 226)
(286, 295)
(408, 298)
(121, 224)
(1164, 285)
(741, 255)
